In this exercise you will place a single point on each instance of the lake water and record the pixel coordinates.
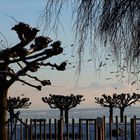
(78, 113)
(91, 113)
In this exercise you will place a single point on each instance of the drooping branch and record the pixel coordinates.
(115, 24)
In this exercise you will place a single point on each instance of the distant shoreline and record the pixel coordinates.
(78, 113)
(77, 108)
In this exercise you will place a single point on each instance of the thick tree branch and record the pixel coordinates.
(60, 67)
(48, 53)
(43, 82)
(31, 85)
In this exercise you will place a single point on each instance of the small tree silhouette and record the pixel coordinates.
(63, 103)
(55, 101)
(107, 101)
(20, 60)
(17, 103)
(71, 102)
(124, 100)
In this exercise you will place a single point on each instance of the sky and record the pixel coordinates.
(93, 81)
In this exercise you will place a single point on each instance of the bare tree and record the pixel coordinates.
(55, 101)
(116, 22)
(71, 102)
(120, 101)
(107, 101)
(21, 60)
(17, 103)
(63, 103)
(12, 104)
(124, 100)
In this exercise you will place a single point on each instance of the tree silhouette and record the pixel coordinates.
(63, 103)
(71, 102)
(21, 60)
(55, 101)
(120, 101)
(124, 100)
(107, 101)
(16, 103)
(114, 22)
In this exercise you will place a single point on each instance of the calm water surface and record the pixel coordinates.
(78, 113)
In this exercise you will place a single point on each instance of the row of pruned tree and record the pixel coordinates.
(120, 101)
(65, 103)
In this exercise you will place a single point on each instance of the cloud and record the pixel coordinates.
(118, 85)
(96, 86)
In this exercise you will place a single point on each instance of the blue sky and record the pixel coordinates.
(91, 82)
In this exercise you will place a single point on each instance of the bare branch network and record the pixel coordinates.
(17, 103)
(28, 57)
(63, 102)
(120, 101)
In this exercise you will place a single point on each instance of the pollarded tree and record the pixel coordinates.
(23, 59)
(124, 100)
(55, 101)
(107, 101)
(17, 103)
(63, 103)
(71, 102)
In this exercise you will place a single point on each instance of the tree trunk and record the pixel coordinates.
(61, 114)
(66, 116)
(3, 103)
(121, 114)
(67, 122)
(111, 114)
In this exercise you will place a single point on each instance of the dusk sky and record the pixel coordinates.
(93, 80)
